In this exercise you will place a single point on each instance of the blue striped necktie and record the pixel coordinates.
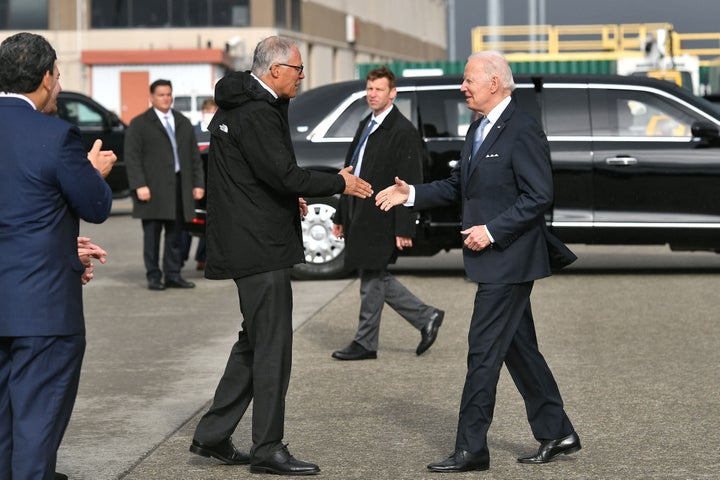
(478, 137)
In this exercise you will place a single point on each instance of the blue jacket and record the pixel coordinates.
(46, 185)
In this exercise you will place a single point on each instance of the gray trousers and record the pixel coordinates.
(378, 287)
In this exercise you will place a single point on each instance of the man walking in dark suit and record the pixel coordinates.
(254, 237)
(504, 181)
(165, 171)
(46, 185)
(386, 145)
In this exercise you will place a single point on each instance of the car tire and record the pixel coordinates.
(324, 253)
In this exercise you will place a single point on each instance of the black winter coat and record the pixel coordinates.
(253, 220)
(393, 149)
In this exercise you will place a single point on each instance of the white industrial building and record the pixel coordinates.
(111, 50)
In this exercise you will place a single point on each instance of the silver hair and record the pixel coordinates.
(270, 51)
(495, 66)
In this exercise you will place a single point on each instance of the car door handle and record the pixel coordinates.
(621, 161)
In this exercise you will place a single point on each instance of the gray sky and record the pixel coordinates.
(686, 15)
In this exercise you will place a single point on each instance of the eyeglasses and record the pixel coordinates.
(298, 68)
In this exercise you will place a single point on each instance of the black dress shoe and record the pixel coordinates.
(354, 351)
(550, 449)
(461, 461)
(282, 463)
(60, 476)
(179, 283)
(224, 451)
(155, 285)
(429, 331)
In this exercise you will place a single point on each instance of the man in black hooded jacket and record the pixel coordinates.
(254, 190)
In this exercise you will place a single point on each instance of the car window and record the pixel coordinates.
(443, 113)
(632, 113)
(348, 121)
(182, 103)
(79, 113)
(566, 111)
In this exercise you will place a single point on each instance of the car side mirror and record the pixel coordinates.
(110, 121)
(705, 130)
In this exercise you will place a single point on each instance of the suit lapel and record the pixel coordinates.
(492, 136)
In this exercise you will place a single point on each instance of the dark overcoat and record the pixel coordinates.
(393, 149)
(149, 161)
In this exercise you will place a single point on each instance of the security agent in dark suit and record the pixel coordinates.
(504, 181)
(165, 171)
(255, 190)
(47, 184)
(386, 145)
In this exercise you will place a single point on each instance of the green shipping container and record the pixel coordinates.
(400, 69)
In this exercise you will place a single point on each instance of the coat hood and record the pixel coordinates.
(238, 88)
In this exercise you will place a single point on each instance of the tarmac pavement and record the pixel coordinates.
(631, 336)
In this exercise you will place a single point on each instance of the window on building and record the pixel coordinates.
(283, 8)
(281, 13)
(23, 14)
(169, 13)
(295, 19)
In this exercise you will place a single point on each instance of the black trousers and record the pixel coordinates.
(258, 367)
(172, 252)
(502, 330)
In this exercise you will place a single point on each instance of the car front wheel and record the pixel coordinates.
(324, 252)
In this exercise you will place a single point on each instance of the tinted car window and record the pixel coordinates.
(348, 121)
(631, 113)
(182, 103)
(443, 113)
(78, 113)
(566, 111)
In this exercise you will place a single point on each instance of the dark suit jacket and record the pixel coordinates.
(149, 161)
(46, 185)
(508, 187)
(393, 149)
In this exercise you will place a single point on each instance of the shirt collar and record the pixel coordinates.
(495, 113)
(162, 115)
(264, 85)
(379, 119)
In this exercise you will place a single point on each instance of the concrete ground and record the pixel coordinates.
(634, 348)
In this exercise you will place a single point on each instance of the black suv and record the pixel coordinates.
(635, 160)
(96, 121)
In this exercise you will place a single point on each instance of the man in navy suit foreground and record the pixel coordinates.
(504, 181)
(47, 183)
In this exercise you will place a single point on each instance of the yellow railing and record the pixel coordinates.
(605, 41)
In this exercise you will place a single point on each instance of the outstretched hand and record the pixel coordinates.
(393, 195)
(354, 185)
